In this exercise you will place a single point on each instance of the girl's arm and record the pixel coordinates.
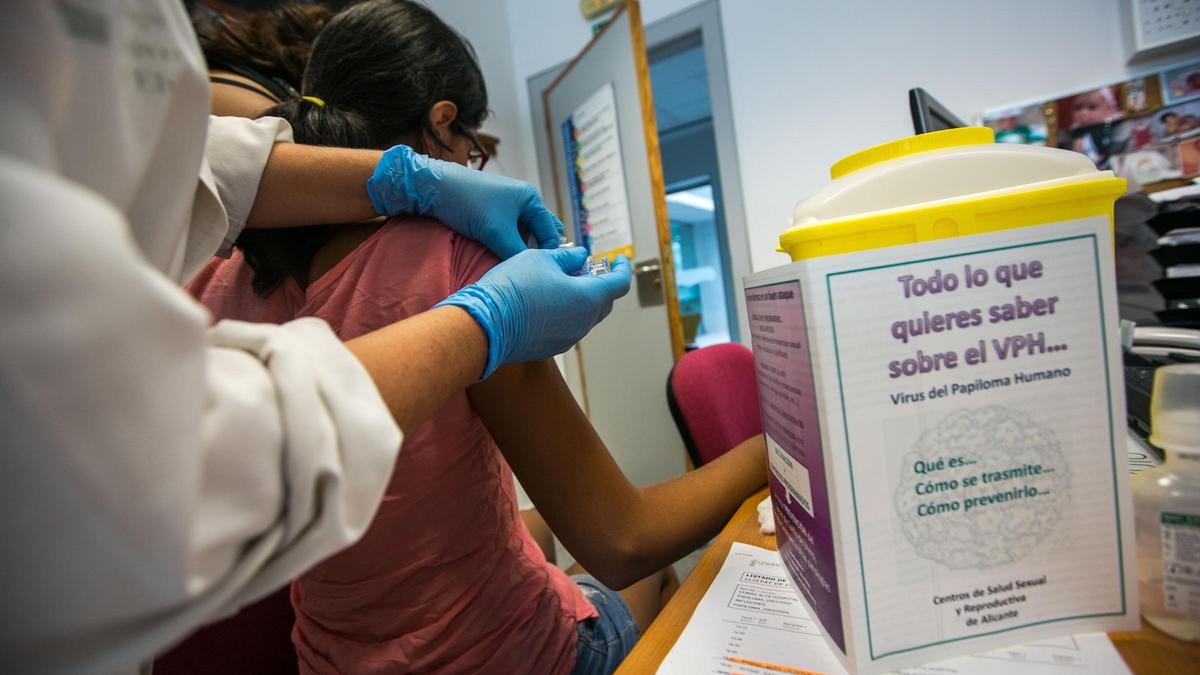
(419, 363)
(620, 533)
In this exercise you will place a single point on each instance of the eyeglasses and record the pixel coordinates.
(477, 157)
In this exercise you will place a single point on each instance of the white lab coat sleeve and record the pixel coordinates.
(157, 473)
(235, 154)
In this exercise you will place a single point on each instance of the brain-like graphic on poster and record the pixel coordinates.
(981, 488)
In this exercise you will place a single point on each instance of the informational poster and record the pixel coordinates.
(946, 441)
(596, 177)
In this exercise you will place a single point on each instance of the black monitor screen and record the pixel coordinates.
(930, 115)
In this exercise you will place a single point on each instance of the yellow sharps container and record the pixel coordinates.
(939, 372)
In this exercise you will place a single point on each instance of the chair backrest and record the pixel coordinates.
(257, 640)
(713, 396)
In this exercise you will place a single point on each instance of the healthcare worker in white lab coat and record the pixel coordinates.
(156, 472)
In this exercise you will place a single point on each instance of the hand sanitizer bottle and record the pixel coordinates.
(1166, 503)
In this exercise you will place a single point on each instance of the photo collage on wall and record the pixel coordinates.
(1146, 129)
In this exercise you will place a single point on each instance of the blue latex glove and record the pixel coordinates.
(496, 211)
(531, 308)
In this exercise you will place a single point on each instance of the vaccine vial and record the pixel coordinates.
(594, 267)
(1166, 504)
(591, 267)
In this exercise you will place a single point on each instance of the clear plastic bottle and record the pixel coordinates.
(1167, 507)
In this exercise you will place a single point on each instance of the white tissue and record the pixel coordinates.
(766, 516)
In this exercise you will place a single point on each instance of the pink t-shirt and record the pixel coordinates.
(447, 578)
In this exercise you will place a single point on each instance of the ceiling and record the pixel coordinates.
(680, 84)
(694, 205)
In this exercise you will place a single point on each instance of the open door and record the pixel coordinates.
(609, 192)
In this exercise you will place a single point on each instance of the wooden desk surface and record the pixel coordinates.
(1146, 651)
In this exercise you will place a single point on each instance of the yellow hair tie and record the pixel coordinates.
(314, 100)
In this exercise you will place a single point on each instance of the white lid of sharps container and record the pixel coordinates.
(1175, 409)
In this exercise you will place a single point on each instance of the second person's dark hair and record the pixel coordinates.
(379, 67)
(273, 42)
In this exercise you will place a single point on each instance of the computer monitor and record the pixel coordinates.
(928, 114)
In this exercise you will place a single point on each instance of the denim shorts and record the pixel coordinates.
(606, 640)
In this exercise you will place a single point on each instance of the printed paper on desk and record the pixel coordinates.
(750, 614)
(750, 621)
(958, 415)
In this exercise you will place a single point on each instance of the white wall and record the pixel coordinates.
(546, 33)
(486, 25)
(815, 80)
(551, 31)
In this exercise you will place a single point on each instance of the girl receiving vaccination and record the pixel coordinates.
(447, 578)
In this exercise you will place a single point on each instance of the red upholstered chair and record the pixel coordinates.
(713, 397)
(257, 640)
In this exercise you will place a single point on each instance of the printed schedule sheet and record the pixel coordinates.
(751, 621)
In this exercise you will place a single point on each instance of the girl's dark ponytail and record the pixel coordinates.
(277, 253)
(327, 123)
